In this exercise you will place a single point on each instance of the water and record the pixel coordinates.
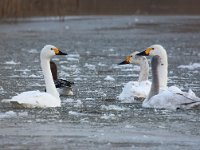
(93, 118)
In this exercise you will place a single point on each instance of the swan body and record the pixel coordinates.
(33, 99)
(63, 87)
(173, 98)
(160, 95)
(136, 89)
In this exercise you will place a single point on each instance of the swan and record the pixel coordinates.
(138, 89)
(63, 86)
(32, 99)
(161, 96)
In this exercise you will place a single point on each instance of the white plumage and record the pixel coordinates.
(160, 95)
(33, 99)
(136, 89)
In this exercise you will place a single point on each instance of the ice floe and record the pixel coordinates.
(113, 107)
(108, 116)
(90, 67)
(11, 62)
(33, 51)
(109, 78)
(190, 66)
(12, 114)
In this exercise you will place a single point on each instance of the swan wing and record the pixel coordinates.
(173, 98)
(135, 89)
(59, 83)
(33, 99)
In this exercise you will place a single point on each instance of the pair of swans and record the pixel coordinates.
(51, 97)
(161, 96)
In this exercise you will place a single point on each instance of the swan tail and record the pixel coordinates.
(15, 104)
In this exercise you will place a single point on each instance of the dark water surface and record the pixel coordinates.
(94, 118)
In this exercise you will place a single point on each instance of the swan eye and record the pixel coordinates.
(152, 48)
(51, 48)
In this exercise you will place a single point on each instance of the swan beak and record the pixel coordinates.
(145, 53)
(58, 52)
(126, 61)
(61, 53)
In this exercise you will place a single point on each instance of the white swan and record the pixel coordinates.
(33, 99)
(64, 87)
(136, 89)
(160, 95)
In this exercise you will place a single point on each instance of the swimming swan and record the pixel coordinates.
(64, 87)
(33, 99)
(160, 95)
(136, 89)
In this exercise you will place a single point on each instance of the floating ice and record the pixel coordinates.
(72, 59)
(11, 62)
(64, 74)
(89, 99)
(33, 51)
(74, 55)
(111, 49)
(34, 76)
(69, 100)
(74, 113)
(127, 69)
(190, 66)
(109, 116)
(8, 114)
(109, 78)
(79, 103)
(11, 114)
(23, 70)
(101, 64)
(78, 79)
(136, 19)
(66, 27)
(65, 68)
(113, 107)
(89, 66)
(1, 90)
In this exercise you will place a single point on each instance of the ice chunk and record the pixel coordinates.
(109, 78)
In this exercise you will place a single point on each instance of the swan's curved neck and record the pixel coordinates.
(155, 86)
(144, 70)
(163, 70)
(50, 86)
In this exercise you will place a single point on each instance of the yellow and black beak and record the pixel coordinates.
(145, 53)
(58, 52)
(126, 61)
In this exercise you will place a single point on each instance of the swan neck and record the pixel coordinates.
(144, 71)
(155, 86)
(50, 86)
(163, 71)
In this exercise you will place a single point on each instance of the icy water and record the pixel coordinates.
(94, 118)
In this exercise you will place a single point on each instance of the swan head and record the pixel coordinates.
(153, 51)
(49, 51)
(133, 59)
